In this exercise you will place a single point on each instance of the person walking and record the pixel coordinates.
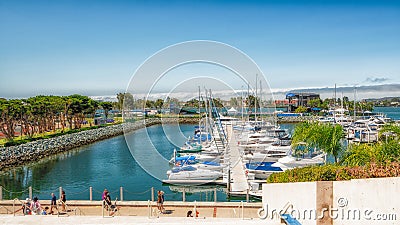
(159, 201)
(53, 203)
(63, 200)
(162, 202)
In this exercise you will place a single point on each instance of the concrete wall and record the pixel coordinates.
(361, 201)
(301, 195)
(367, 201)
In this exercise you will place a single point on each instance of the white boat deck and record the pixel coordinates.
(238, 177)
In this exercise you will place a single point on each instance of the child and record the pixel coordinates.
(45, 210)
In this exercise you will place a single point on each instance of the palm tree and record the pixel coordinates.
(326, 137)
(107, 106)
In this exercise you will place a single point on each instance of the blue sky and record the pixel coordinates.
(94, 47)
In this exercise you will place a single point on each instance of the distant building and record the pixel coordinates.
(300, 99)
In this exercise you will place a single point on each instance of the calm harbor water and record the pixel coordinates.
(104, 164)
(391, 112)
(109, 164)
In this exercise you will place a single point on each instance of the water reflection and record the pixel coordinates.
(104, 164)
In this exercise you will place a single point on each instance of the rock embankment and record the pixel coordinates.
(36, 150)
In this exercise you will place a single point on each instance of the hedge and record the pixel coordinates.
(333, 172)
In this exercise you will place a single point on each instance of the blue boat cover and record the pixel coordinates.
(184, 158)
(264, 166)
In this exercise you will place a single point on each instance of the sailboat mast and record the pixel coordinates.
(199, 116)
(255, 103)
(261, 102)
(335, 98)
(354, 104)
(211, 102)
(248, 98)
(211, 105)
(242, 103)
(342, 101)
(206, 113)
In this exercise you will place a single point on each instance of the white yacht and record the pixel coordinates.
(290, 162)
(185, 173)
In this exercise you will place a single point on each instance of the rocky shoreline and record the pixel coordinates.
(33, 151)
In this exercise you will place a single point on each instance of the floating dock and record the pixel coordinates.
(239, 184)
(235, 177)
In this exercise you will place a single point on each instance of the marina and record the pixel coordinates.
(246, 169)
(200, 112)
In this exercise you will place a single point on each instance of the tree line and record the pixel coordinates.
(354, 161)
(39, 114)
(126, 101)
(330, 139)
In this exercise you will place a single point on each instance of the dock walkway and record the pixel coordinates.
(239, 183)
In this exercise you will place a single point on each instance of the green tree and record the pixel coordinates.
(10, 112)
(159, 103)
(326, 137)
(251, 101)
(107, 106)
(235, 101)
(149, 104)
(93, 106)
(129, 101)
(217, 102)
(120, 101)
(314, 103)
(79, 105)
(301, 109)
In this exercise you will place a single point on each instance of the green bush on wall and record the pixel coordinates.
(333, 172)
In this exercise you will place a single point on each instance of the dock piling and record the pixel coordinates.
(102, 209)
(242, 204)
(91, 193)
(184, 195)
(215, 194)
(152, 194)
(60, 191)
(247, 195)
(195, 210)
(1, 193)
(30, 192)
(149, 208)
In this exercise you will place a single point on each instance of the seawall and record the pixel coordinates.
(33, 151)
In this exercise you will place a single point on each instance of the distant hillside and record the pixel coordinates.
(382, 99)
(362, 92)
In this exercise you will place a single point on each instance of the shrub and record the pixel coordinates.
(332, 172)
